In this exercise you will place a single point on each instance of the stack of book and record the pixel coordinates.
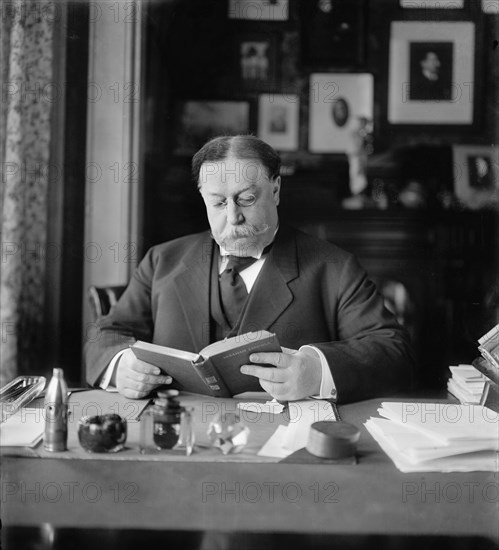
(467, 384)
(437, 437)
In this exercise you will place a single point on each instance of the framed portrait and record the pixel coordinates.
(278, 120)
(259, 10)
(476, 175)
(256, 62)
(340, 104)
(198, 121)
(431, 72)
(333, 32)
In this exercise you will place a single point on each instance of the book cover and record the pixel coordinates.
(215, 369)
(488, 369)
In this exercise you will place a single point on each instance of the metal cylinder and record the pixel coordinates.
(56, 413)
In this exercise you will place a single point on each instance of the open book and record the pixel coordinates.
(215, 369)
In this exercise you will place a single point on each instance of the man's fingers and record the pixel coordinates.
(164, 379)
(277, 359)
(264, 373)
(145, 368)
(147, 385)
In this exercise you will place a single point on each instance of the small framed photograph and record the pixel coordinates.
(259, 10)
(340, 104)
(257, 62)
(199, 121)
(431, 72)
(476, 175)
(333, 32)
(278, 120)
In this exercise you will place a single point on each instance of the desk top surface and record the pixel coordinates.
(372, 497)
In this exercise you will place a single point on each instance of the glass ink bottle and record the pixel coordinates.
(166, 425)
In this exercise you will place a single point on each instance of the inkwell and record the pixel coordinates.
(167, 414)
(166, 426)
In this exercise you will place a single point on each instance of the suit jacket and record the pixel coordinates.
(308, 292)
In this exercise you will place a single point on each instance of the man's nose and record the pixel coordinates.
(234, 213)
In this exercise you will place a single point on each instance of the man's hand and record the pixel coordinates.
(297, 375)
(136, 378)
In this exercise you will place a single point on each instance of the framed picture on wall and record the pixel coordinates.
(476, 175)
(340, 104)
(259, 10)
(431, 72)
(198, 121)
(432, 4)
(333, 31)
(257, 62)
(278, 120)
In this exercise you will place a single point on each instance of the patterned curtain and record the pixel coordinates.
(27, 93)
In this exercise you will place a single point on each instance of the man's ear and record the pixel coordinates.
(276, 189)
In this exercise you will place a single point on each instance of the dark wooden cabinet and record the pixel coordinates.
(444, 262)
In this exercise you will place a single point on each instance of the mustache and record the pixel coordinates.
(246, 230)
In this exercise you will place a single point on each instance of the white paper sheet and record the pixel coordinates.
(445, 422)
(271, 407)
(23, 429)
(471, 462)
(294, 436)
(274, 447)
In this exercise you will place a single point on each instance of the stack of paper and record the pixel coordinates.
(433, 437)
(23, 429)
(467, 383)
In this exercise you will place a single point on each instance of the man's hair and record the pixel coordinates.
(244, 147)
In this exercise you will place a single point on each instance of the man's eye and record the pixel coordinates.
(246, 201)
(221, 204)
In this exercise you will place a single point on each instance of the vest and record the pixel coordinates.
(219, 327)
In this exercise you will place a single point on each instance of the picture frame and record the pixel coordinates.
(197, 121)
(256, 62)
(431, 73)
(339, 104)
(333, 32)
(259, 10)
(476, 175)
(278, 120)
(432, 4)
(490, 7)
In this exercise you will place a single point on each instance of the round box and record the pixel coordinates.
(329, 439)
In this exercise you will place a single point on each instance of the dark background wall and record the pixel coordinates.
(444, 256)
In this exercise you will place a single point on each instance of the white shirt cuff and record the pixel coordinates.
(327, 389)
(108, 375)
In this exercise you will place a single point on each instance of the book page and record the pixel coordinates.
(241, 340)
(164, 350)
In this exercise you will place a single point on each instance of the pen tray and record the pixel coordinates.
(18, 393)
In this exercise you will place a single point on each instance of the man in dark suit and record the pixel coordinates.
(251, 274)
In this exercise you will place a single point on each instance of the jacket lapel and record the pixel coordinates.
(270, 295)
(193, 289)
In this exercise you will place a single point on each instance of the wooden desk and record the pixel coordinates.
(371, 498)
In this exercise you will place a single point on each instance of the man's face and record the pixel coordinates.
(431, 63)
(241, 204)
